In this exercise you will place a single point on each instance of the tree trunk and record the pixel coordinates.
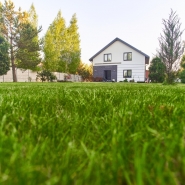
(14, 72)
(12, 60)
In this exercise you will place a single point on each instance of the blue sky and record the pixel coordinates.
(137, 22)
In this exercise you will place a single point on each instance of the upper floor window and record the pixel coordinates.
(127, 56)
(107, 57)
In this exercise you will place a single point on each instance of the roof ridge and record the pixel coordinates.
(117, 39)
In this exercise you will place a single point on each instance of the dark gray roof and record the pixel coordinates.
(117, 39)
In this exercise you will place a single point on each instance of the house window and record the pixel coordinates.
(127, 56)
(107, 57)
(127, 73)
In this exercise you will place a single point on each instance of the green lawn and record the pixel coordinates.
(92, 134)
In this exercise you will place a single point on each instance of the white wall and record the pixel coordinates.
(137, 65)
(27, 75)
(138, 72)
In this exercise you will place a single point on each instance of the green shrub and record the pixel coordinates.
(170, 77)
(157, 70)
(182, 76)
(46, 75)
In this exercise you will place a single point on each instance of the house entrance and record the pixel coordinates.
(107, 74)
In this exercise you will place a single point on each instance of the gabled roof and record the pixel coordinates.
(117, 39)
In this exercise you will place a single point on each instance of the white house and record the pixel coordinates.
(118, 61)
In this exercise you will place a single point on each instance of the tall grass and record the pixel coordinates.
(92, 133)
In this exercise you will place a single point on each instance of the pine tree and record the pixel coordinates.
(4, 56)
(171, 47)
(27, 55)
(54, 43)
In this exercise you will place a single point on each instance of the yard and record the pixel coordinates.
(92, 133)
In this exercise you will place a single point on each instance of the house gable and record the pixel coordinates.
(117, 50)
(131, 48)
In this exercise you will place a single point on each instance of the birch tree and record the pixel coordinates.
(73, 50)
(54, 43)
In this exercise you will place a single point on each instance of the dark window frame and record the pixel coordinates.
(127, 56)
(107, 57)
(127, 73)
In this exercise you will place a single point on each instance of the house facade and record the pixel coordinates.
(118, 61)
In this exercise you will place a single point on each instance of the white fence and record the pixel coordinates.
(30, 76)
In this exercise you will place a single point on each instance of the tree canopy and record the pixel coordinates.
(170, 44)
(4, 56)
(32, 16)
(21, 35)
(27, 55)
(182, 72)
(54, 43)
(62, 46)
(157, 70)
(73, 46)
(85, 70)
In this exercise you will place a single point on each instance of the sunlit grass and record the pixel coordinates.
(92, 133)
